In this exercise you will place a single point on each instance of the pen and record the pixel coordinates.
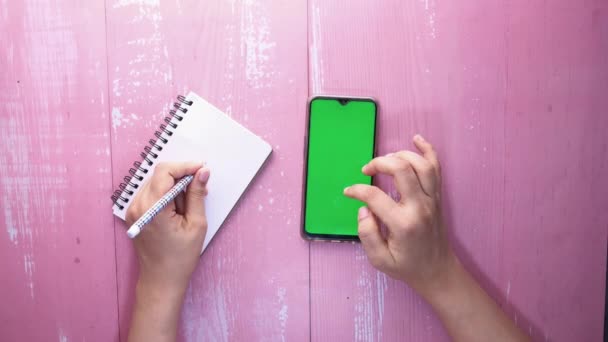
(138, 226)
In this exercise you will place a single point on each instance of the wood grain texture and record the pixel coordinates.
(511, 92)
(556, 164)
(57, 263)
(248, 59)
(501, 88)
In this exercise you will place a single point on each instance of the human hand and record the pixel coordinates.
(169, 248)
(416, 249)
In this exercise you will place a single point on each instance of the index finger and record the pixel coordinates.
(402, 171)
(377, 200)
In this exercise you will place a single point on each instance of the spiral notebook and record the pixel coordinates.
(197, 131)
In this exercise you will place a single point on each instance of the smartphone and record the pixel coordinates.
(340, 140)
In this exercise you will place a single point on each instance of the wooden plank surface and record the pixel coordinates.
(418, 73)
(556, 165)
(56, 243)
(512, 93)
(248, 59)
(503, 90)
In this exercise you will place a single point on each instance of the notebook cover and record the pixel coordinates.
(233, 154)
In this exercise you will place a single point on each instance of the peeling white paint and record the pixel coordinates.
(148, 55)
(429, 7)
(365, 322)
(256, 46)
(213, 326)
(53, 47)
(11, 230)
(9, 223)
(33, 161)
(381, 286)
(283, 311)
(316, 60)
(117, 118)
(62, 336)
(15, 164)
(124, 3)
(220, 307)
(29, 266)
(116, 87)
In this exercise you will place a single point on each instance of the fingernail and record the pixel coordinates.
(204, 175)
(363, 213)
(418, 137)
(346, 189)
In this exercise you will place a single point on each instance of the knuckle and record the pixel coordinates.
(403, 155)
(197, 192)
(425, 213)
(378, 262)
(132, 213)
(161, 168)
(402, 164)
(369, 193)
(437, 165)
(426, 168)
(365, 231)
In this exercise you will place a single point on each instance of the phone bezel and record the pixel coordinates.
(329, 237)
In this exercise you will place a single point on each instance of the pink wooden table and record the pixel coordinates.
(513, 93)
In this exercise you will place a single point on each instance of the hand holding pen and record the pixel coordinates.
(174, 238)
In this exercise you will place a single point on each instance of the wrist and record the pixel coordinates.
(156, 311)
(445, 281)
(154, 289)
(161, 278)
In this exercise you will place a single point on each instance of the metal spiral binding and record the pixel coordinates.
(150, 153)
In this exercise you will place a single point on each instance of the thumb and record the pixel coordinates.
(195, 195)
(373, 242)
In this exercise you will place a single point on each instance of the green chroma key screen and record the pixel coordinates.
(341, 138)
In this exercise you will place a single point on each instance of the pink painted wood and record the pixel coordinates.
(249, 59)
(511, 93)
(56, 243)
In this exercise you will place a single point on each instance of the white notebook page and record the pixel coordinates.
(233, 154)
